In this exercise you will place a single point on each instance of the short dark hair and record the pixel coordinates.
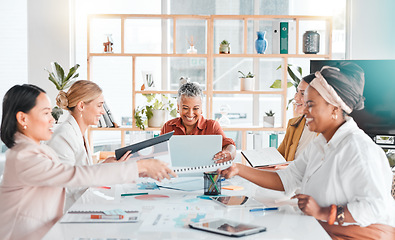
(189, 89)
(19, 98)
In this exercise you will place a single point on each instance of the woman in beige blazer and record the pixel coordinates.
(84, 101)
(33, 187)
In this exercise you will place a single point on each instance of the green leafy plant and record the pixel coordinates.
(248, 75)
(270, 113)
(224, 42)
(61, 81)
(294, 81)
(58, 77)
(143, 113)
(56, 113)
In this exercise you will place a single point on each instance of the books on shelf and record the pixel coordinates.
(291, 37)
(276, 37)
(284, 37)
(107, 120)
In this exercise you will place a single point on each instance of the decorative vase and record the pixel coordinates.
(247, 84)
(192, 50)
(268, 121)
(311, 42)
(224, 48)
(158, 118)
(108, 43)
(261, 42)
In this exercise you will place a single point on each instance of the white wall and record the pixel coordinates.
(372, 29)
(48, 40)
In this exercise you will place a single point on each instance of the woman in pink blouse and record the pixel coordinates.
(33, 188)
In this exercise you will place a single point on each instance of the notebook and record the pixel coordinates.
(193, 154)
(189, 155)
(263, 157)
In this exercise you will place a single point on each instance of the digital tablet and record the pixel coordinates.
(227, 227)
(237, 201)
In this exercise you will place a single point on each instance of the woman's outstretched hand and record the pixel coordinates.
(230, 171)
(154, 169)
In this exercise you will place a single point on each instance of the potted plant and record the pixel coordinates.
(294, 81)
(62, 82)
(224, 47)
(247, 81)
(268, 120)
(153, 114)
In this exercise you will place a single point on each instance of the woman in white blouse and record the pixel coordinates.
(345, 178)
(84, 100)
(32, 191)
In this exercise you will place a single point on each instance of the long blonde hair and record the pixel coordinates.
(82, 90)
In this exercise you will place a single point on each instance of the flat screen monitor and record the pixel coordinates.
(378, 116)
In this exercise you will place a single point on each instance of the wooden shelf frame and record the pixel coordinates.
(209, 56)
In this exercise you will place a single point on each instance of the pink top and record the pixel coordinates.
(203, 127)
(32, 192)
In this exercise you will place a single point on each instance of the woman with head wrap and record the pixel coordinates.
(344, 177)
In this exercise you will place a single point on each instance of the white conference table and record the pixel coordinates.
(168, 218)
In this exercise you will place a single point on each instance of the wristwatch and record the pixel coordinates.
(340, 215)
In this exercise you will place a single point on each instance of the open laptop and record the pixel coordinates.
(194, 150)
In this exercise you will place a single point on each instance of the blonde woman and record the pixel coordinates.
(32, 192)
(84, 100)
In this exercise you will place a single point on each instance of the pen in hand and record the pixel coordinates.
(263, 209)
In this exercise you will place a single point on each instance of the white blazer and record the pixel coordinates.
(67, 141)
(32, 191)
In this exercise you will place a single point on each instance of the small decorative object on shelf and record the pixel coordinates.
(261, 42)
(311, 42)
(247, 81)
(268, 120)
(108, 42)
(192, 49)
(184, 80)
(224, 110)
(224, 47)
(148, 81)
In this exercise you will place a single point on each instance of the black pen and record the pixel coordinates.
(133, 194)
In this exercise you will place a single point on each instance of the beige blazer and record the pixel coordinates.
(68, 143)
(32, 191)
